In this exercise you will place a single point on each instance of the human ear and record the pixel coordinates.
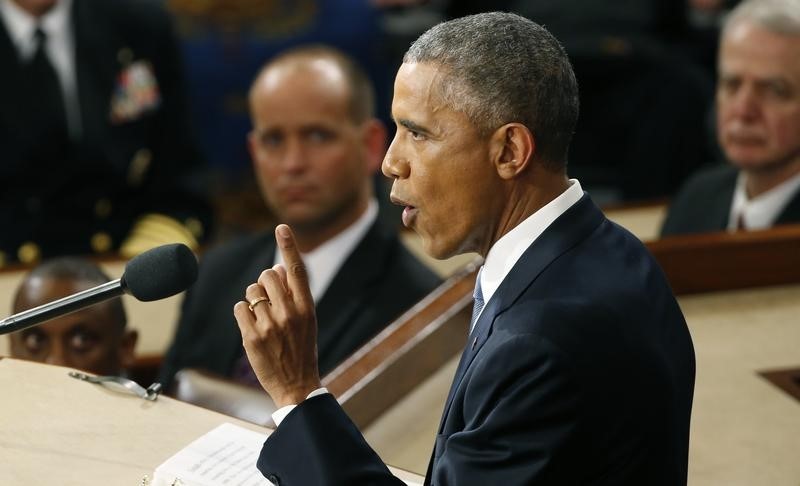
(513, 148)
(374, 139)
(251, 145)
(126, 348)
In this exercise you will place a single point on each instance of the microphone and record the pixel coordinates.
(155, 274)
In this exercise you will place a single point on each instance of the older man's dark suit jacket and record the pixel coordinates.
(704, 203)
(378, 282)
(57, 193)
(581, 372)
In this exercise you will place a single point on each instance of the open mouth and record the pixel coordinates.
(409, 211)
(409, 215)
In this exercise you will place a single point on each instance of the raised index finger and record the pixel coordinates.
(296, 275)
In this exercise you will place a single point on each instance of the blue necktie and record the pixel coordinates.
(477, 304)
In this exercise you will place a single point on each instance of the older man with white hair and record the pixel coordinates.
(758, 127)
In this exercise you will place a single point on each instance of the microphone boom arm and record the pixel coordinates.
(65, 305)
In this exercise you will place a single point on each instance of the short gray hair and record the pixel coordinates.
(504, 68)
(778, 16)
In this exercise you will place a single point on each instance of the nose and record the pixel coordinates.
(745, 103)
(394, 166)
(57, 355)
(294, 157)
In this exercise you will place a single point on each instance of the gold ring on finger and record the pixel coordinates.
(253, 303)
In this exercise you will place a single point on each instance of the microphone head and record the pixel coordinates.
(160, 273)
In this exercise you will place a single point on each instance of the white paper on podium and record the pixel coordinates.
(226, 455)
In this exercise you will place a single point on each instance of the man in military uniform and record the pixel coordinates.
(96, 149)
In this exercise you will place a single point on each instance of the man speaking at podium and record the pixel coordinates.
(579, 367)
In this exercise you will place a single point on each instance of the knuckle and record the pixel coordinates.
(258, 336)
(251, 340)
(307, 315)
(252, 289)
(266, 276)
(298, 269)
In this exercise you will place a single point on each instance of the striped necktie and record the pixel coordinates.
(477, 303)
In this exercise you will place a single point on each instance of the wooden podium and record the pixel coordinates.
(59, 430)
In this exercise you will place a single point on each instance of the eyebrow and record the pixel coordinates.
(776, 78)
(410, 125)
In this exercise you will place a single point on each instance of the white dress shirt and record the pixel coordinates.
(506, 251)
(60, 48)
(762, 211)
(502, 257)
(324, 262)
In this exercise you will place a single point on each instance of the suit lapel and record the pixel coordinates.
(8, 52)
(8, 57)
(94, 49)
(791, 213)
(565, 232)
(348, 289)
(12, 117)
(719, 208)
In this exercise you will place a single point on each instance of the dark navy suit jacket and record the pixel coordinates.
(582, 373)
(704, 203)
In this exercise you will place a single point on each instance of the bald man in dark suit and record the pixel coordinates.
(315, 146)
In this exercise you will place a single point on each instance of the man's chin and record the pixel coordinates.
(300, 215)
(302, 225)
(747, 158)
(438, 249)
(311, 221)
(755, 162)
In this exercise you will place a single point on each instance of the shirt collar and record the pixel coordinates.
(21, 25)
(762, 211)
(505, 253)
(324, 262)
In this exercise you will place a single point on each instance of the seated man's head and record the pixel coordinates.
(758, 94)
(94, 339)
(315, 144)
(37, 8)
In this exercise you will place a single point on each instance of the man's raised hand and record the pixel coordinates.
(279, 326)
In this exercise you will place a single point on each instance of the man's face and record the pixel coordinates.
(90, 340)
(36, 7)
(758, 97)
(312, 161)
(441, 167)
